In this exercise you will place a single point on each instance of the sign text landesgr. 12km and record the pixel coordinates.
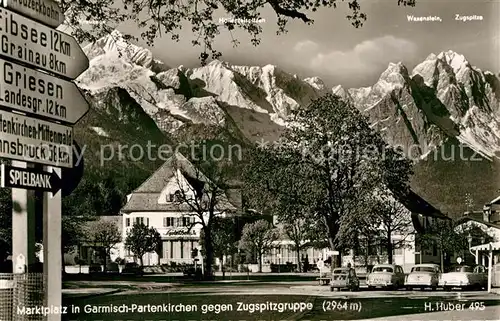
(44, 11)
(40, 94)
(40, 46)
(33, 140)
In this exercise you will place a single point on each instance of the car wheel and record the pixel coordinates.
(447, 288)
(371, 288)
(433, 288)
(408, 288)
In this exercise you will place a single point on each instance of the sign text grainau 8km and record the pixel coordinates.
(44, 11)
(40, 46)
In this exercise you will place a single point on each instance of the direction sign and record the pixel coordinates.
(40, 46)
(44, 11)
(40, 94)
(30, 178)
(33, 140)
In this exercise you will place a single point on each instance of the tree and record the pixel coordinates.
(158, 18)
(346, 158)
(224, 240)
(395, 223)
(103, 235)
(300, 231)
(444, 235)
(274, 184)
(141, 240)
(202, 186)
(258, 238)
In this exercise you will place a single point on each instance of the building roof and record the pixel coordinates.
(145, 197)
(494, 246)
(416, 204)
(496, 201)
(464, 219)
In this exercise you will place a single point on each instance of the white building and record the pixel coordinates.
(156, 203)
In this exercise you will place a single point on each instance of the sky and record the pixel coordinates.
(335, 51)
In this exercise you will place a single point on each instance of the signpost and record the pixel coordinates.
(39, 46)
(33, 140)
(28, 40)
(32, 179)
(40, 94)
(44, 11)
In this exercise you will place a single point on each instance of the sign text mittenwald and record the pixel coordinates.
(33, 140)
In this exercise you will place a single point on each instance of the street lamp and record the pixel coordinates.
(469, 239)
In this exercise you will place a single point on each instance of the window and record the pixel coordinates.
(127, 222)
(187, 221)
(175, 197)
(398, 251)
(168, 221)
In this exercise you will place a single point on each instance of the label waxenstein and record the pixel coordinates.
(33, 140)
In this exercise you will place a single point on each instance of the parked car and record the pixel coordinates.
(95, 268)
(423, 276)
(495, 275)
(112, 268)
(386, 276)
(344, 278)
(132, 268)
(465, 276)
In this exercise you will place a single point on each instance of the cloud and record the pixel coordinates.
(365, 58)
(306, 46)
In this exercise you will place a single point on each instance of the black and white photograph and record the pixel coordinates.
(249, 160)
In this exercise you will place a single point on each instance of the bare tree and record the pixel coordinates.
(202, 187)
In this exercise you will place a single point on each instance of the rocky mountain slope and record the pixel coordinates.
(443, 104)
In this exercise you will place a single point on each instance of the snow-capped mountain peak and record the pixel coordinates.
(455, 60)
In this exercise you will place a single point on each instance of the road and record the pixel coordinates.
(327, 305)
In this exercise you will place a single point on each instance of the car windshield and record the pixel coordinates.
(339, 272)
(422, 269)
(463, 269)
(383, 269)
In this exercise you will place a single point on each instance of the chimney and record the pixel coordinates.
(487, 213)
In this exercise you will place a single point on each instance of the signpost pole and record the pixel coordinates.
(52, 261)
(23, 222)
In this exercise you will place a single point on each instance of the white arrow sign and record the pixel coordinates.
(37, 45)
(33, 140)
(40, 94)
(44, 11)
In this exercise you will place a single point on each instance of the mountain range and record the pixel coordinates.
(443, 105)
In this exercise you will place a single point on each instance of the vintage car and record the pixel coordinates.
(465, 276)
(423, 276)
(386, 276)
(344, 278)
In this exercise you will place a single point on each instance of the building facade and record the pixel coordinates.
(160, 202)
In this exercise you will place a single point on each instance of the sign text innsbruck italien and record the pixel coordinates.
(40, 94)
(39, 46)
(44, 11)
(33, 140)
